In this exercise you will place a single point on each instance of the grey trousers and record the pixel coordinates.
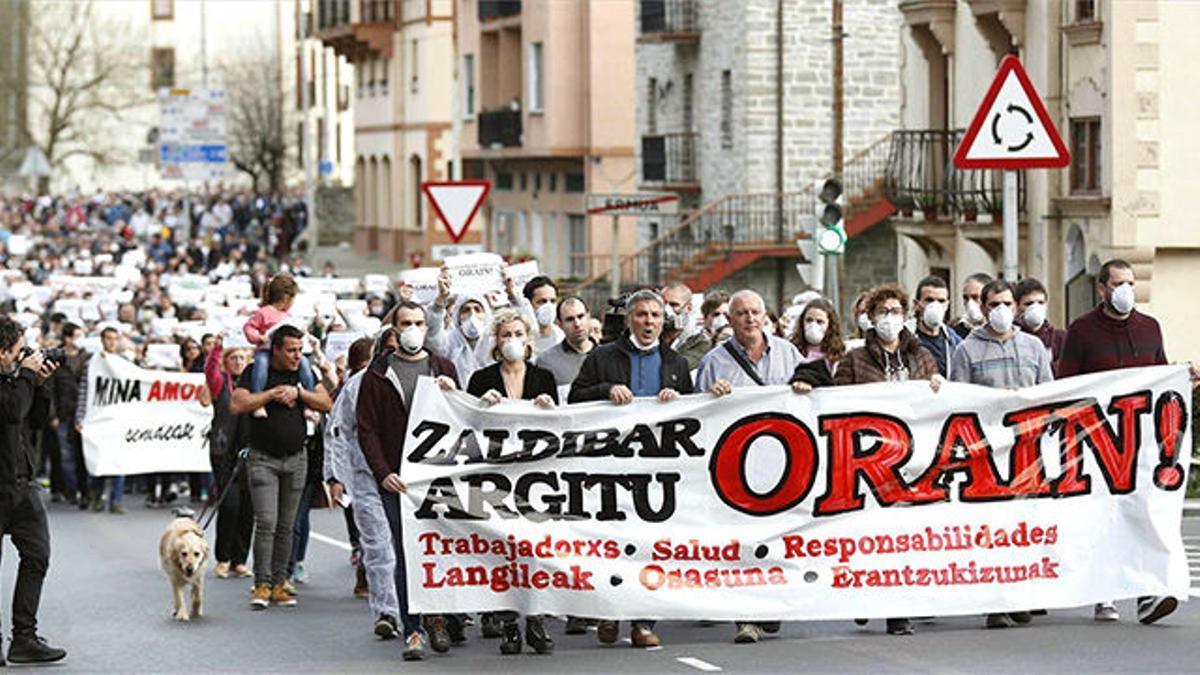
(275, 487)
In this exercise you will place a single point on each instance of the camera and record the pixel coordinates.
(57, 355)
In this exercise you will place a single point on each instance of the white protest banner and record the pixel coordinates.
(869, 501)
(521, 273)
(424, 282)
(61, 282)
(475, 273)
(376, 283)
(334, 285)
(143, 421)
(338, 343)
(19, 244)
(162, 355)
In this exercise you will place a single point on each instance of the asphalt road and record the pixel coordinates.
(108, 604)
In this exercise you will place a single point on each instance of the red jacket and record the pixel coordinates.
(382, 414)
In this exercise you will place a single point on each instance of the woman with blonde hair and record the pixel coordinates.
(514, 377)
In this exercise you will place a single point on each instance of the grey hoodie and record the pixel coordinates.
(1020, 361)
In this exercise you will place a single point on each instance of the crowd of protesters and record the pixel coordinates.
(318, 428)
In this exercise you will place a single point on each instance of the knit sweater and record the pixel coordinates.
(1097, 342)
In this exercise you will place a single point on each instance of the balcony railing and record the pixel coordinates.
(498, 9)
(662, 17)
(499, 127)
(331, 13)
(376, 11)
(921, 176)
(669, 158)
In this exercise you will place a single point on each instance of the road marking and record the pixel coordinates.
(698, 664)
(331, 541)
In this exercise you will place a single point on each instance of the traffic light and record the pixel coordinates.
(831, 226)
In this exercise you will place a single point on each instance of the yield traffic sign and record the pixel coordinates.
(456, 203)
(1011, 129)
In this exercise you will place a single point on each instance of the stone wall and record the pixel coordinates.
(335, 215)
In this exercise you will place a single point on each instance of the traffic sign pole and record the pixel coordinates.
(1009, 230)
(614, 286)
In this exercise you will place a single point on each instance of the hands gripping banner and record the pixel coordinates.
(869, 501)
(144, 421)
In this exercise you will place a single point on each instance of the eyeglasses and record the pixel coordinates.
(890, 311)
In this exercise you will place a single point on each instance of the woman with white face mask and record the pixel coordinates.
(818, 336)
(891, 354)
(513, 377)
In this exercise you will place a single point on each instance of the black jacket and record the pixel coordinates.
(538, 381)
(814, 373)
(22, 402)
(65, 384)
(608, 365)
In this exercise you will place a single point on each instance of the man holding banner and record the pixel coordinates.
(110, 342)
(1111, 336)
(635, 365)
(385, 396)
(751, 358)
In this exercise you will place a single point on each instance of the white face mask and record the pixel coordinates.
(911, 324)
(1122, 298)
(545, 314)
(888, 328)
(974, 312)
(1001, 318)
(934, 314)
(814, 333)
(512, 349)
(718, 322)
(412, 339)
(472, 326)
(864, 322)
(1035, 315)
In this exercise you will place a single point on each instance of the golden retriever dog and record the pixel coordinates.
(182, 552)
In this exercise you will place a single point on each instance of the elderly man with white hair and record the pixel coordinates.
(751, 358)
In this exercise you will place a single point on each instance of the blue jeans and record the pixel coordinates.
(115, 492)
(301, 528)
(66, 453)
(391, 507)
(262, 363)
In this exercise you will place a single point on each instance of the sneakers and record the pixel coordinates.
(361, 590)
(116, 508)
(607, 632)
(536, 636)
(260, 597)
(1151, 609)
(289, 587)
(510, 642)
(386, 627)
(414, 647)
(98, 505)
(33, 649)
(300, 575)
(281, 597)
(242, 571)
(222, 570)
(456, 627)
(1106, 611)
(643, 636)
(899, 627)
(1000, 621)
(747, 633)
(439, 638)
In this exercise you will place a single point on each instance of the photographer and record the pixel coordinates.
(22, 516)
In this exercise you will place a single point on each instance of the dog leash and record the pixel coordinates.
(211, 508)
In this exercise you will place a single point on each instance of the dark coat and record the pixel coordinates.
(22, 402)
(608, 365)
(538, 381)
(815, 374)
(866, 364)
(382, 414)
